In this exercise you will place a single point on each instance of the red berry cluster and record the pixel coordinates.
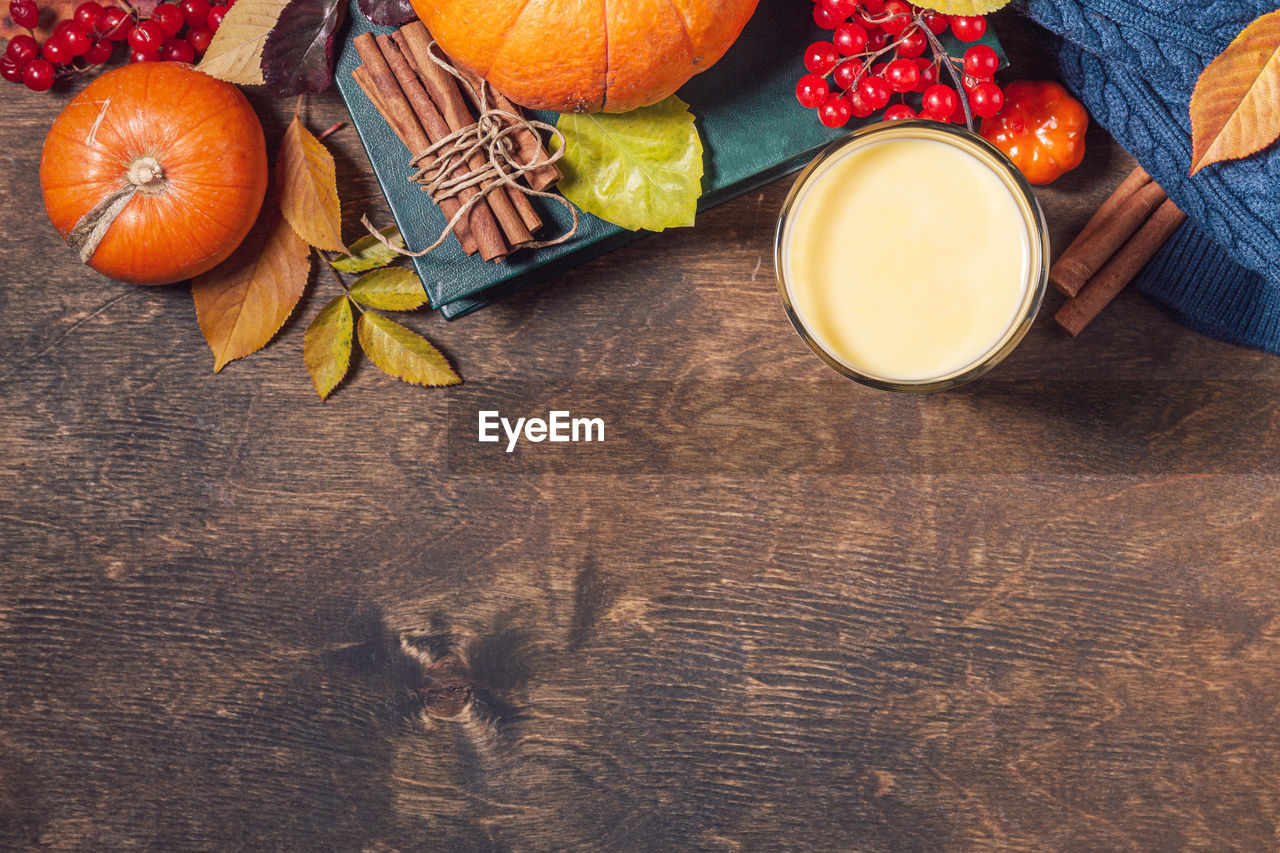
(174, 32)
(885, 54)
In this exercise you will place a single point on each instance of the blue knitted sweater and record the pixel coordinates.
(1134, 64)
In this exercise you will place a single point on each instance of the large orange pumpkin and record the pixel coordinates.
(180, 154)
(585, 55)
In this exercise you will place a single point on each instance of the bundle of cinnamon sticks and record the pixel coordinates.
(1116, 243)
(424, 103)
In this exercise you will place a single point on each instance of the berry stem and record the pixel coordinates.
(940, 51)
(879, 22)
(868, 58)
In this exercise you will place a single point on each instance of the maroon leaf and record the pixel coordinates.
(388, 13)
(298, 54)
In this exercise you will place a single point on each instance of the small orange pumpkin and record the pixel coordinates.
(155, 172)
(585, 55)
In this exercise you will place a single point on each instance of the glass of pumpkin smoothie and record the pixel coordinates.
(911, 256)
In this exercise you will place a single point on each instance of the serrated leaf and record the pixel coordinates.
(403, 353)
(309, 188)
(1235, 108)
(640, 169)
(394, 289)
(962, 7)
(388, 13)
(368, 253)
(243, 302)
(235, 54)
(298, 55)
(326, 345)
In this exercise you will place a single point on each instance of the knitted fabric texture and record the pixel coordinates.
(1134, 64)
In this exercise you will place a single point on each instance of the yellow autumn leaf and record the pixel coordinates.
(309, 188)
(369, 253)
(962, 7)
(393, 289)
(243, 301)
(1235, 108)
(326, 345)
(235, 54)
(402, 352)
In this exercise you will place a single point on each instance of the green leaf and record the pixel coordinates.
(326, 345)
(641, 169)
(368, 253)
(403, 353)
(391, 290)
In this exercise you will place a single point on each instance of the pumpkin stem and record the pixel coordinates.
(146, 174)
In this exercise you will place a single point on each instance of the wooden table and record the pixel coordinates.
(773, 611)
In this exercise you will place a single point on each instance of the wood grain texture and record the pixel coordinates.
(1038, 615)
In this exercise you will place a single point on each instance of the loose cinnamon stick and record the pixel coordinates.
(1136, 180)
(1079, 311)
(375, 76)
(511, 207)
(1074, 269)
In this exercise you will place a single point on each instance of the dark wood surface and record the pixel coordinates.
(776, 611)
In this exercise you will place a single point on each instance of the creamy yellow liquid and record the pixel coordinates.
(907, 259)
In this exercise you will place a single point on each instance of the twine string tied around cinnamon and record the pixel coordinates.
(442, 168)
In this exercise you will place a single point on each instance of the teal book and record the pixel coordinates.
(753, 131)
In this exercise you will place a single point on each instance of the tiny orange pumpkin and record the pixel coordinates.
(155, 172)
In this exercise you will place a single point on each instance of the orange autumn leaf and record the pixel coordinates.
(1235, 108)
(243, 302)
(309, 188)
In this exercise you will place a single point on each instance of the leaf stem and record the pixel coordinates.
(324, 262)
(337, 127)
